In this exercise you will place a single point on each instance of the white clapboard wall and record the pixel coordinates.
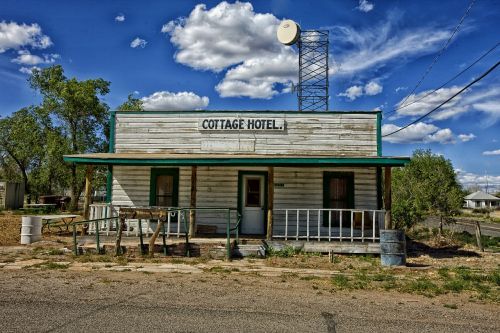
(335, 134)
(218, 187)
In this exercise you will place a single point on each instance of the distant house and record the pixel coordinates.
(481, 199)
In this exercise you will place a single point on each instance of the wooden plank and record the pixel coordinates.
(192, 213)
(89, 174)
(270, 201)
(388, 198)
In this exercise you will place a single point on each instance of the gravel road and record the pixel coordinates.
(465, 224)
(104, 301)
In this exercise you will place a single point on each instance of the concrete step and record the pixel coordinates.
(249, 250)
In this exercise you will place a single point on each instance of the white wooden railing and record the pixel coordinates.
(328, 224)
(173, 224)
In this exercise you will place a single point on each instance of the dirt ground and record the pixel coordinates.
(61, 301)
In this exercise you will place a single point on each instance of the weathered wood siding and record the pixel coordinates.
(218, 187)
(335, 134)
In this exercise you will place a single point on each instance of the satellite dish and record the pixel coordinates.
(288, 32)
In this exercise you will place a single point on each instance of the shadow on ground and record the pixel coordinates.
(416, 249)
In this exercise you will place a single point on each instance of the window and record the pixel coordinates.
(253, 192)
(338, 192)
(164, 189)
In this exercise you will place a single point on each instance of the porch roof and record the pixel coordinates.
(171, 159)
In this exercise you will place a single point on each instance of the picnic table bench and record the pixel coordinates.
(39, 207)
(60, 221)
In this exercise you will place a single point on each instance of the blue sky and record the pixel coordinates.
(217, 55)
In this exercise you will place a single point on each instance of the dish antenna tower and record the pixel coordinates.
(312, 90)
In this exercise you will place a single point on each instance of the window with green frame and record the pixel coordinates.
(164, 187)
(338, 192)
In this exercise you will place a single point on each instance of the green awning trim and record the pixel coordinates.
(245, 161)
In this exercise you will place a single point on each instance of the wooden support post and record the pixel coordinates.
(88, 191)
(478, 237)
(118, 241)
(192, 212)
(388, 198)
(270, 201)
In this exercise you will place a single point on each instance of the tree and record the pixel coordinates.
(427, 185)
(22, 140)
(132, 104)
(77, 113)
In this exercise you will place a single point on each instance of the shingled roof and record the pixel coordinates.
(480, 195)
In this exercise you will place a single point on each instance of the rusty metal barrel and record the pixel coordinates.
(392, 248)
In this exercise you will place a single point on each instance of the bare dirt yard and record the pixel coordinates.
(447, 286)
(63, 300)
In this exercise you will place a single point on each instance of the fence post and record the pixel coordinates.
(98, 246)
(478, 236)
(75, 248)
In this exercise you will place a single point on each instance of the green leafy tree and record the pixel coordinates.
(132, 104)
(22, 140)
(76, 111)
(427, 185)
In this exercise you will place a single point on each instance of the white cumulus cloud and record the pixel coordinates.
(233, 37)
(365, 6)
(169, 101)
(418, 133)
(120, 18)
(26, 58)
(29, 70)
(492, 152)
(370, 89)
(138, 42)
(484, 99)
(484, 181)
(466, 137)
(14, 36)
(373, 88)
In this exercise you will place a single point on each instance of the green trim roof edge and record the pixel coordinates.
(245, 111)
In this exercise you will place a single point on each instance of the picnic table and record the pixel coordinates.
(59, 221)
(40, 207)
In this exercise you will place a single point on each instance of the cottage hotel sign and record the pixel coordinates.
(241, 124)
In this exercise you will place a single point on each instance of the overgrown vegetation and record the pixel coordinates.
(454, 238)
(427, 185)
(71, 119)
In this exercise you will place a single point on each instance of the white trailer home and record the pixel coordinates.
(280, 174)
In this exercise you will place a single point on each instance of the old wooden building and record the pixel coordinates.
(282, 175)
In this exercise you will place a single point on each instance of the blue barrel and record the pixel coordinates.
(392, 248)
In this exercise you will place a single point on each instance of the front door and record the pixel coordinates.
(253, 204)
(339, 194)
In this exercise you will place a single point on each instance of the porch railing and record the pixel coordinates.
(328, 224)
(104, 220)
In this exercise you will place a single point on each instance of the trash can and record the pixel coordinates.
(392, 248)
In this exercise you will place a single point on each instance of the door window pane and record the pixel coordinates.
(252, 193)
(164, 190)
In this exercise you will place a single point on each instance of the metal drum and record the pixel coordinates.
(392, 248)
(31, 229)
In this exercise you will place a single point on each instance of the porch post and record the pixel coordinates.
(270, 201)
(88, 191)
(192, 213)
(388, 198)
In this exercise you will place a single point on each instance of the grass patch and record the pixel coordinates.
(286, 252)
(422, 286)
(451, 306)
(50, 265)
(309, 278)
(219, 269)
(340, 281)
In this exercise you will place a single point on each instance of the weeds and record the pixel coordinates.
(286, 252)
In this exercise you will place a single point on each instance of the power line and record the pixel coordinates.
(450, 80)
(449, 99)
(445, 46)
